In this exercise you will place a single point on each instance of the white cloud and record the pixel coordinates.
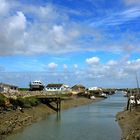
(132, 66)
(52, 65)
(112, 62)
(4, 7)
(59, 35)
(93, 60)
(118, 18)
(65, 67)
(75, 66)
(50, 30)
(17, 22)
(12, 32)
(132, 2)
(113, 73)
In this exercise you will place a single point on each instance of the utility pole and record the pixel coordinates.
(137, 84)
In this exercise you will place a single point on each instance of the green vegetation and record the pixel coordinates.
(64, 95)
(23, 89)
(25, 102)
(2, 100)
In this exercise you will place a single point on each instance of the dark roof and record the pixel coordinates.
(54, 85)
(80, 86)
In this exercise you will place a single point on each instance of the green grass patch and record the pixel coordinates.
(25, 102)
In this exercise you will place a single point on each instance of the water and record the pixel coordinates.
(90, 122)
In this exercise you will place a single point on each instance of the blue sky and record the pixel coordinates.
(92, 42)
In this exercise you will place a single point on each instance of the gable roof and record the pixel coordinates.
(54, 85)
(79, 86)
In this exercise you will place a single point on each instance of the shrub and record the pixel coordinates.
(2, 100)
(27, 102)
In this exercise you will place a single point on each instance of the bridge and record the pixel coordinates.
(51, 101)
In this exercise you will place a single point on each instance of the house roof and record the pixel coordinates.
(54, 85)
(79, 85)
(8, 85)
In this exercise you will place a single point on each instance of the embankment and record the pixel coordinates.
(13, 121)
(129, 122)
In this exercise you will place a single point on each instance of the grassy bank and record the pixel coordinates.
(13, 121)
(129, 122)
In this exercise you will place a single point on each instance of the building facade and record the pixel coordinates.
(7, 88)
(57, 87)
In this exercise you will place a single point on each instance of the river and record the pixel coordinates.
(95, 121)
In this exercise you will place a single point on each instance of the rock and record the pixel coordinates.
(133, 132)
(137, 128)
(137, 137)
(127, 138)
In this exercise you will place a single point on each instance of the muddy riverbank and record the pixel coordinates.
(129, 122)
(13, 121)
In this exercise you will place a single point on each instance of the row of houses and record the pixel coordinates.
(63, 87)
(52, 87)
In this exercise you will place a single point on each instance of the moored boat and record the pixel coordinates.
(103, 95)
(92, 97)
(36, 85)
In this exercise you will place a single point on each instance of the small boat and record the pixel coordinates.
(92, 97)
(36, 85)
(103, 95)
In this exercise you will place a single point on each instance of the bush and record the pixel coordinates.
(2, 100)
(25, 102)
(33, 101)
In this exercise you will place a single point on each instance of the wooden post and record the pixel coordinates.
(128, 103)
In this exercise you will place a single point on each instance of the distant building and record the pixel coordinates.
(7, 88)
(57, 87)
(94, 88)
(78, 88)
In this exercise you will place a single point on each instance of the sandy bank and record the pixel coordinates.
(129, 122)
(13, 121)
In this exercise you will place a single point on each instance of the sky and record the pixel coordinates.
(89, 42)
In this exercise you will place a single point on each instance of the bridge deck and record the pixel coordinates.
(50, 99)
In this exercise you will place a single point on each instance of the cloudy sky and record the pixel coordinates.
(91, 42)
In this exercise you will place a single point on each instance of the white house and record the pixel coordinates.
(57, 87)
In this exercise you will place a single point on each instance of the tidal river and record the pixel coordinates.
(95, 121)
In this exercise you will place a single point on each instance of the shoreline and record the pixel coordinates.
(14, 121)
(129, 122)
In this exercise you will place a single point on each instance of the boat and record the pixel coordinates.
(36, 85)
(92, 97)
(125, 93)
(103, 95)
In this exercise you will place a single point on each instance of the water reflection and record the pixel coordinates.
(58, 117)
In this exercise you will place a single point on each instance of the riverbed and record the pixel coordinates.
(95, 121)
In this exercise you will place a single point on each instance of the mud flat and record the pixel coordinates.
(13, 121)
(129, 122)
